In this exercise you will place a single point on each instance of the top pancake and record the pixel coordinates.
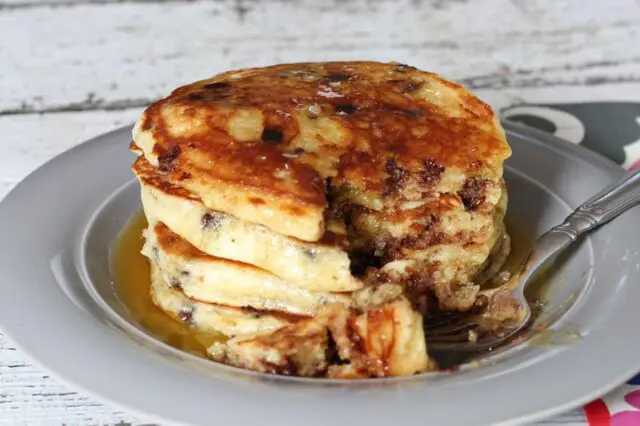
(268, 144)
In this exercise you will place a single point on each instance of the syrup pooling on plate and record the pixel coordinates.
(133, 286)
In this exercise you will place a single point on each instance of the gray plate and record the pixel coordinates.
(58, 306)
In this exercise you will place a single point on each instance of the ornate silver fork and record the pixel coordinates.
(488, 328)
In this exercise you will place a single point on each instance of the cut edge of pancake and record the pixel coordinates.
(320, 266)
(214, 280)
(380, 339)
(207, 317)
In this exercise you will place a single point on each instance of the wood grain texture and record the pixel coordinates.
(72, 69)
(87, 56)
(29, 396)
(36, 138)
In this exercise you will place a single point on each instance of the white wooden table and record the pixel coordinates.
(71, 69)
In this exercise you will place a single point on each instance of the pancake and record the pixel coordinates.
(437, 248)
(211, 318)
(214, 280)
(277, 188)
(271, 145)
(322, 266)
(373, 340)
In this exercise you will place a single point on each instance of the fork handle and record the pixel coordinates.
(604, 206)
(598, 210)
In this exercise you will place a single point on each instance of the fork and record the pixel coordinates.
(504, 310)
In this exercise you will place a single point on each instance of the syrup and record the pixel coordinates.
(132, 284)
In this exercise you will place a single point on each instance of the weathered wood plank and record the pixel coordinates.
(34, 139)
(89, 56)
(30, 396)
(28, 4)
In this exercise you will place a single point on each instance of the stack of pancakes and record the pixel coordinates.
(239, 267)
(314, 212)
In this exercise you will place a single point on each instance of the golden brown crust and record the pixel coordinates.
(149, 176)
(279, 132)
(172, 244)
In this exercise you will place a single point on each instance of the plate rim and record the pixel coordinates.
(532, 135)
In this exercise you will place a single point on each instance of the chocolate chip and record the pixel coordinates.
(311, 252)
(335, 77)
(361, 262)
(345, 109)
(217, 85)
(174, 282)
(186, 314)
(472, 193)
(166, 161)
(211, 221)
(398, 176)
(272, 136)
(432, 171)
(331, 352)
(195, 96)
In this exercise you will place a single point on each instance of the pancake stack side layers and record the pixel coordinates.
(315, 212)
